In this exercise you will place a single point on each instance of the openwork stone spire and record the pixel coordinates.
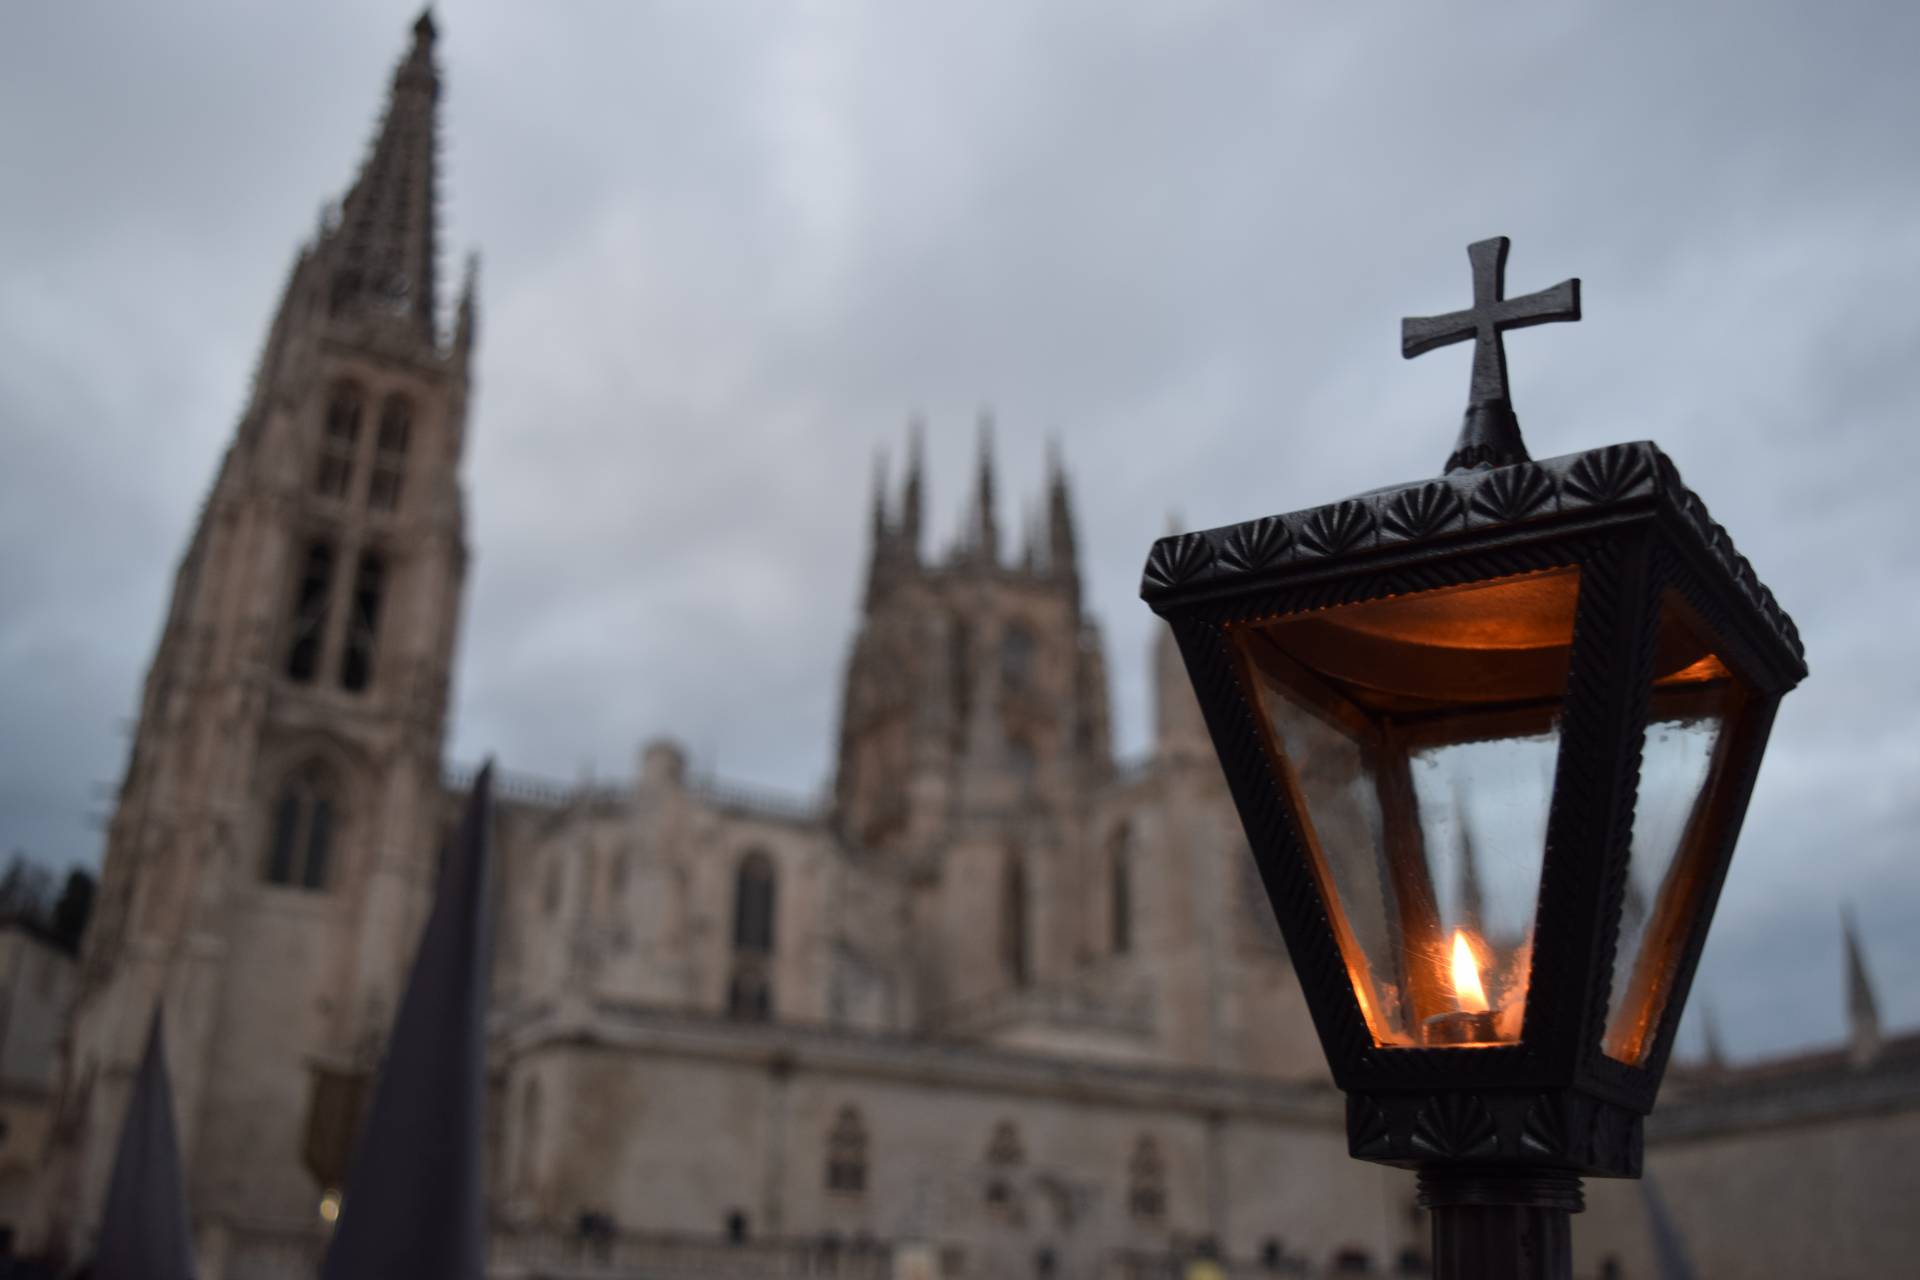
(382, 253)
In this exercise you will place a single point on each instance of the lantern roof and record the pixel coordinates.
(1508, 504)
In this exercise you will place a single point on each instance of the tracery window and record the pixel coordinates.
(363, 623)
(1120, 891)
(1013, 921)
(301, 842)
(960, 682)
(750, 990)
(339, 442)
(847, 1153)
(1146, 1182)
(309, 622)
(1016, 656)
(390, 453)
(753, 902)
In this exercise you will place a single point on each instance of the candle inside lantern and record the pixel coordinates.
(1475, 1022)
(1467, 990)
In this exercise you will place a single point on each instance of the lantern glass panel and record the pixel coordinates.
(1694, 712)
(1416, 737)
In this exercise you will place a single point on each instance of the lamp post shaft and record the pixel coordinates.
(1501, 1224)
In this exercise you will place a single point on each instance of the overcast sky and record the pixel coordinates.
(728, 248)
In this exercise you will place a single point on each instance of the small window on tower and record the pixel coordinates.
(363, 624)
(302, 834)
(339, 442)
(310, 613)
(390, 454)
(1014, 957)
(1016, 656)
(753, 899)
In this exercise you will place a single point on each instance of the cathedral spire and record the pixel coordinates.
(1863, 1010)
(911, 497)
(986, 529)
(879, 501)
(382, 252)
(881, 555)
(1063, 557)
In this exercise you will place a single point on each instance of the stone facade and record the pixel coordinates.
(36, 988)
(996, 1006)
(1801, 1166)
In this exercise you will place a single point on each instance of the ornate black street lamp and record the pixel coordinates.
(1491, 736)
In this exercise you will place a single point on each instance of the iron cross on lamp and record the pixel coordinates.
(1491, 736)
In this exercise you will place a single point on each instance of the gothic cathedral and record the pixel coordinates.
(996, 999)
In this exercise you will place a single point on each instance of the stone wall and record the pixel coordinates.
(698, 1125)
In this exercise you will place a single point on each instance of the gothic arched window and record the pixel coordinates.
(363, 623)
(960, 681)
(1120, 896)
(339, 441)
(847, 1153)
(390, 453)
(309, 622)
(750, 992)
(753, 901)
(1013, 920)
(303, 822)
(1016, 656)
(1146, 1182)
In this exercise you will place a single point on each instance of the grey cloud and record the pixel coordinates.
(727, 250)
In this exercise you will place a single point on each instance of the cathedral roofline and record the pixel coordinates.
(612, 1026)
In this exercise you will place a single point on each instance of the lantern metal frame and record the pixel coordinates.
(1554, 1104)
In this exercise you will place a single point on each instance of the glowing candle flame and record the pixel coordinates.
(1466, 976)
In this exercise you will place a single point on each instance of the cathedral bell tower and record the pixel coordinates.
(271, 856)
(976, 687)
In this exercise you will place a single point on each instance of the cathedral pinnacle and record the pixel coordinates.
(1863, 1010)
(910, 498)
(986, 529)
(879, 501)
(1062, 548)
